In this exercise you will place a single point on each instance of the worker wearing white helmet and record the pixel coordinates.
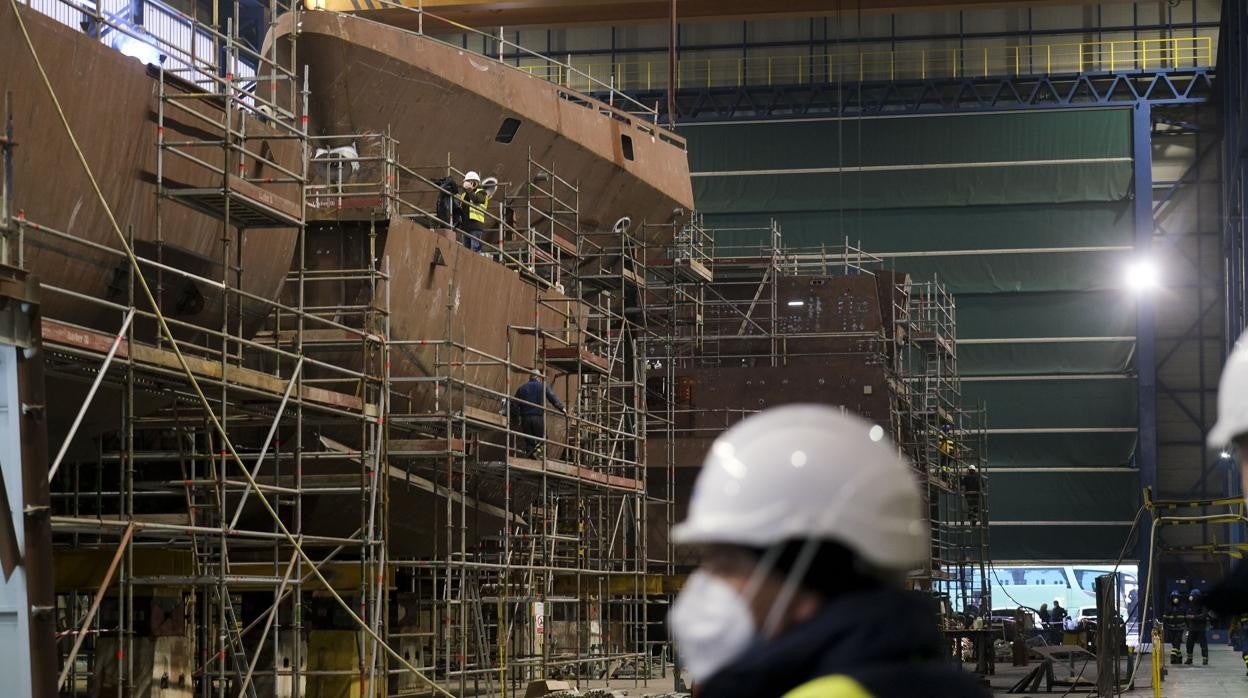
(474, 202)
(808, 520)
(1231, 433)
(1232, 426)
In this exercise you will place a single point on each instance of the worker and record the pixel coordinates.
(948, 448)
(529, 414)
(448, 194)
(1057, 618)
(474, 200)
(1230, 433)
(1059, 613)
(808, 522)
(1046, 619)
(1239, 631)
(1174, 621)
(971, 487)
(250, 25)
(1197, 626)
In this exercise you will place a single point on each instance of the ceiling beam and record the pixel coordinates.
(516, 13)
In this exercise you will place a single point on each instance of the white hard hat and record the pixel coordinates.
(808, 471)
(1232, 397)
(471, 175)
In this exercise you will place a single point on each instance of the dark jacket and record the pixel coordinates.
(1175, 615)
(532, 395)
(887, 641)
(1197, 615)
(448, 200)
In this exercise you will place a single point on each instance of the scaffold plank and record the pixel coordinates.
(424, 447)
(251, 206)
(622, 584)
(58, 333)
(476, 414)
(568, 359)
(568, 470)
(694, 268)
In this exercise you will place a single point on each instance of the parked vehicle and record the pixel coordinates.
(1030, 585)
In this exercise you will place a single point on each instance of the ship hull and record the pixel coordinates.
(442, 102)
(118, 136)
(111, 102)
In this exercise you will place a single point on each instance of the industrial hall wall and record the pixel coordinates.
(989, 204)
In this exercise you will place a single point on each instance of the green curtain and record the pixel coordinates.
(982, 184)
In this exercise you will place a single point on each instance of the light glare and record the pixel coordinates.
(1142, 276)
(135, 48)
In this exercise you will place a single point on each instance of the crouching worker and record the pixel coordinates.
(808, 521)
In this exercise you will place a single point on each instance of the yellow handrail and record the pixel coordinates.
(902, 64)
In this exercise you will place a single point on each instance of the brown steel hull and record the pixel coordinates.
(111, 102)
(439, 101)
(440, 292)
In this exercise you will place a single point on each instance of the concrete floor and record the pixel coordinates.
(1225, 676)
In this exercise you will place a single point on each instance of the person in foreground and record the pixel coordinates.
(808, 521)
(1230, 433)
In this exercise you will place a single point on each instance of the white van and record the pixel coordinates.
(1030, 585)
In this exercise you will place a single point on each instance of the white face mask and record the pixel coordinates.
(711, 625)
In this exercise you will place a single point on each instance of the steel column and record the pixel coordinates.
(1145, 318)
(1233, 83)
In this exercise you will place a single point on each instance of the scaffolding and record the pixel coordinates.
(533, 561)
(260, 497)
(754, 333)
(247, 470)
(541, 571)
(946, 441)
(190, 460)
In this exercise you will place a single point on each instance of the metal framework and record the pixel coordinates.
(764, 310)
(541, 569)
(1233, 52)
(564, 577)
(938, 96)
(188, 432)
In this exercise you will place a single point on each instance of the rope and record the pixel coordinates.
(186, 369)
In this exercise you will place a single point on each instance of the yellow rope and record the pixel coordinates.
(164, 328)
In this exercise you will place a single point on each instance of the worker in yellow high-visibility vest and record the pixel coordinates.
(474, 200)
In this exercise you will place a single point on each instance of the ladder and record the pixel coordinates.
(231, 640)
(472, 596)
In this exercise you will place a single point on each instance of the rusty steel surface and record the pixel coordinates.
(439, 290)
(860, 387)
(118, 136)
(832, 346)
(439, 101)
